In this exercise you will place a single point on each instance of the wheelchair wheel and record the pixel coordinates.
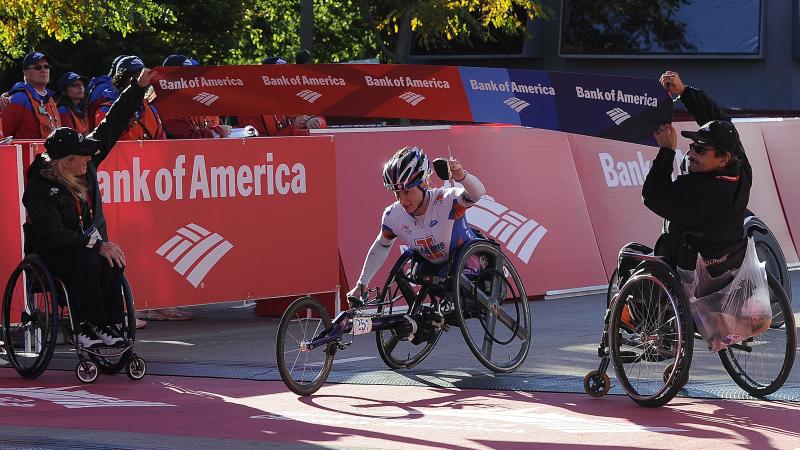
(595, 384)
(613, 287)
(761, 364)
(86, 371)
(136, 368)
(393, 347)
(304, 372)
(651, 337)
(30, 318)
(492, 307)
(109, 360)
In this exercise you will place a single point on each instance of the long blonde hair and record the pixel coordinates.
(54, 171)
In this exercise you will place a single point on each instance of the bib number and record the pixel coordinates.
(361, 325)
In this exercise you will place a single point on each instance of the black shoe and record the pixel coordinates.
(108, 335)
(87, 337)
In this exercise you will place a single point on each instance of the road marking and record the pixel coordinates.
(187, 344)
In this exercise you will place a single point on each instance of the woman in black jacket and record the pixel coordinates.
(66, 226)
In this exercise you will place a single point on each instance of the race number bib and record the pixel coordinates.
(361, 325)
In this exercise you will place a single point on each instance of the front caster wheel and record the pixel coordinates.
(136, 368)
(596, 384)
(87, 372)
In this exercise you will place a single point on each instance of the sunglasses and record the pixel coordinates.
(39, 67)
(699, 148)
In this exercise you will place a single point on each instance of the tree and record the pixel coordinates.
(438, 22)
(23, 24)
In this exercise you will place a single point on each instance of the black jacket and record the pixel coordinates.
(53, 225)
(711, 203)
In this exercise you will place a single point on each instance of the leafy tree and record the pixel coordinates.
(631, 26)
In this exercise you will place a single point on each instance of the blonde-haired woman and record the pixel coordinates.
(66, 225)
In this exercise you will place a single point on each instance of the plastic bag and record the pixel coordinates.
(733, 306)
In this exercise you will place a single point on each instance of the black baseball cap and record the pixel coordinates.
(68, 79)
(720, 134)
(65, 141)
(32, 58)
(130, 64)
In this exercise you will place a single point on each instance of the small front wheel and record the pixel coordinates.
(596, 384)
(304, 371)
(86, 371)
(136, 368)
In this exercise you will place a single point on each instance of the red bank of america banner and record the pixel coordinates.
(619, 108)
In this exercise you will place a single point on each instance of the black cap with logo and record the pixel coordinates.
(720, 134)
(66, 141)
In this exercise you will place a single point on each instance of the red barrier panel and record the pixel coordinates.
(781, 142)
(205, 221)
(12, 215)
(611, 175)
(535, 206)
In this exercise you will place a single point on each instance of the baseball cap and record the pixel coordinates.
(65, 141)
(179, 60)
(130, 64)
(114, 65)
(273, 60)
(720, 134)
(68, 79)
(32, 58)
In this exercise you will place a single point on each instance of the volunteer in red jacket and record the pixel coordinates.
(32, 112)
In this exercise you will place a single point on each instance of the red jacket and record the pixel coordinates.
(30, 116)
(144, 126)
(197, 127)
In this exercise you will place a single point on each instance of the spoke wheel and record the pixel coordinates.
(29, 318)
(492, 307)
(651, 338)
(394, 347)
(304, 372)
(761, 364)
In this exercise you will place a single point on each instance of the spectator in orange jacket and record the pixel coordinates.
(146, 124)
(195, 127)
(31, 112)
(282, 124)
(72, 103)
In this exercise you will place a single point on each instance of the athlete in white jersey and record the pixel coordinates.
(431, 221)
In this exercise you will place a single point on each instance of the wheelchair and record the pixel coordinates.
(478, 290)
(36, 307)
(649, 334)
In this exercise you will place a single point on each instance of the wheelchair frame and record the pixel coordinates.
(91, 361)
(405, 324)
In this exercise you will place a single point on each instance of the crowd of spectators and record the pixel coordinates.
(30, 110)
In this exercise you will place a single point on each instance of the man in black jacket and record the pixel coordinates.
(66, 225)
(712, 197)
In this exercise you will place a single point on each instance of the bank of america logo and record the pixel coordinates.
(411, 98)
(309, 96)
(517, 104)
(205, 98)
(196, 251)
(618, 115)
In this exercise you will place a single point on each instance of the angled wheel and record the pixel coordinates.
(769, 251)
(87, 372)
(393, 345)
(651, 337)
(613, 286)
(596, 384)
(109, 360)
(30, 318)
(492, 307)
(304, 371)
(761, 364)
(136, 368)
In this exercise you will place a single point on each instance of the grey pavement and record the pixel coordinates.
(228, 341)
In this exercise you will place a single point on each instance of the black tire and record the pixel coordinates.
(304, 319)
(136, 368)
(30, 318)
(396, 351)
(494, 295)
(650, 328)
(596, 384)
(109, 360)
(87, 372)
(761, 365)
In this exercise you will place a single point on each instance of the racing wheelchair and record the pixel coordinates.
(649, 334)
(36, 304)
(477, 290)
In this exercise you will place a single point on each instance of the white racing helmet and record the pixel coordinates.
(409, 167)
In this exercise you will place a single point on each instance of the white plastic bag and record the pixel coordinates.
(733, 306)
(244, 132)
